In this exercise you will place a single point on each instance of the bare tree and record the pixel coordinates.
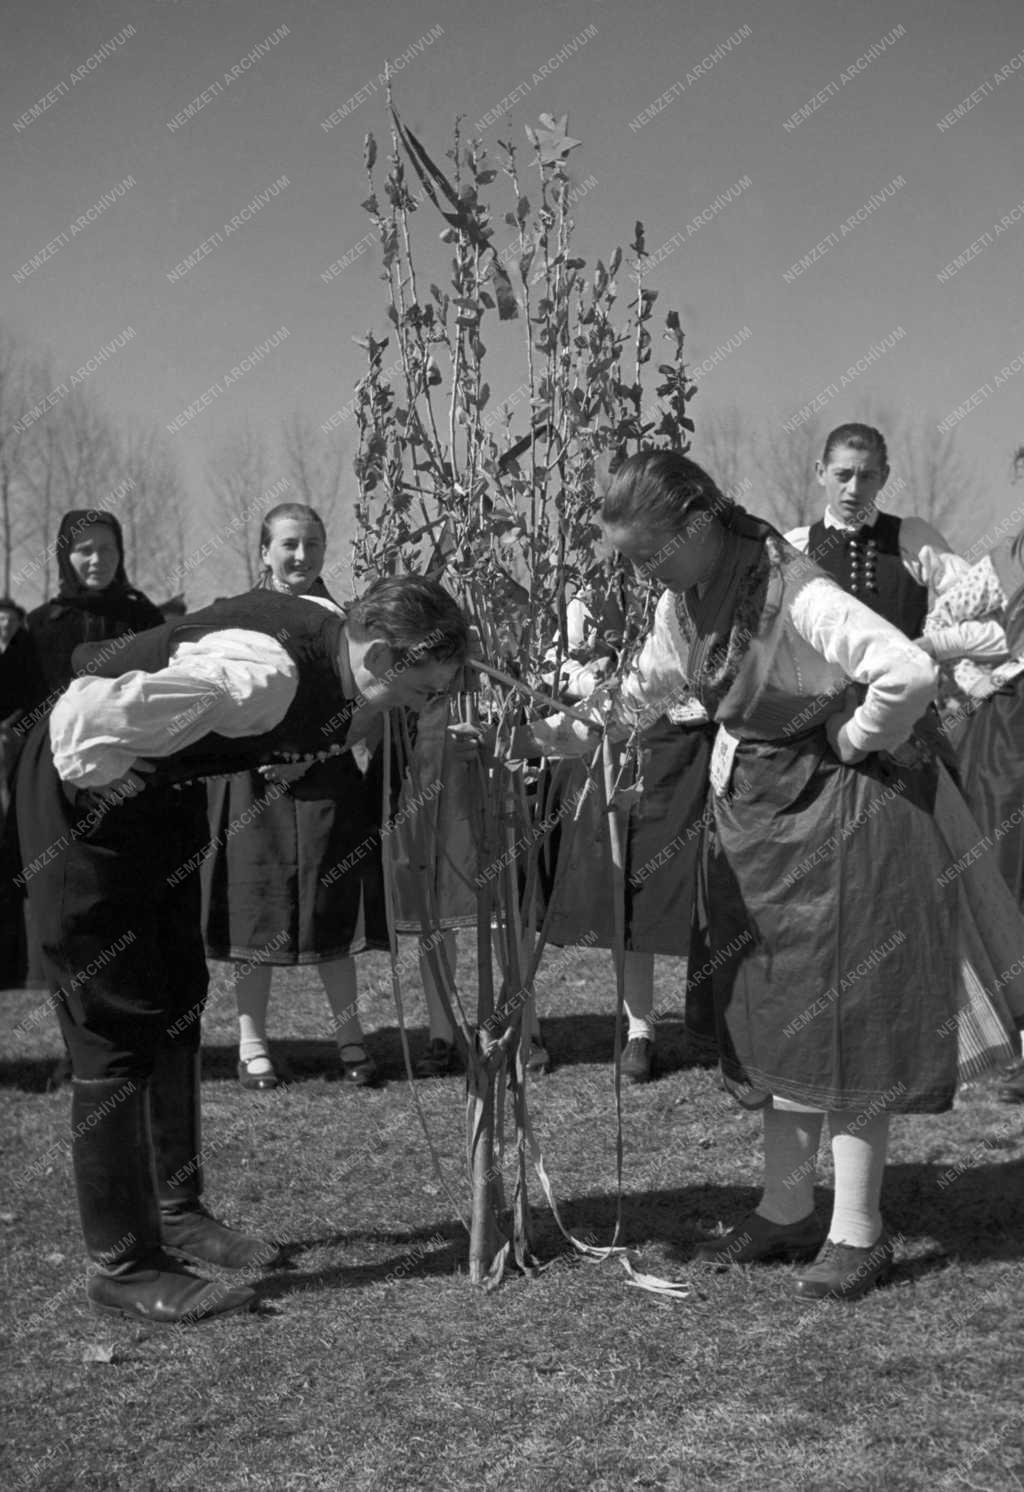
(20, 387)
(240, 489)
(149, 501)
(41, 480)
(929, 476)
(84, 452)
(320, 472)
(67, 453)
(723, 442)
(792, 496)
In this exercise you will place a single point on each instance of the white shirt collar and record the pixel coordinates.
(832, 520)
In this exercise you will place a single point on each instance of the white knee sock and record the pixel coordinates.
(790, 1161)
(639, 995)
(252, 995)
(859, 1148)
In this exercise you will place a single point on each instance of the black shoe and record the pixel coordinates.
(192, 1233)
(538, 1058)
(1011, 1089)
(756, 1241)
(438, 1060)
(638, 1060)
(256, 1081)
(164, 1293)
(358, 1072)
(842, 1272)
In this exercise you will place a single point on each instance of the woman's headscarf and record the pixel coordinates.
(71, 591)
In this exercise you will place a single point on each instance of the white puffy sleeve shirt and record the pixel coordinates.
(233, 682)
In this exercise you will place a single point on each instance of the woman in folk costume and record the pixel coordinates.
(660, 853)
(94, 602)
(831, 903)
(988, 732)
(112, 852)
(272, 891)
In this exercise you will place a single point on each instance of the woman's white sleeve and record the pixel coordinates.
(901, 680)
(658, 678)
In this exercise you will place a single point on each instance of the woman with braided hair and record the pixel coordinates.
(837, 981)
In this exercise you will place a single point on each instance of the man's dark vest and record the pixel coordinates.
(316, 721)
(1008, 562)
(868, 564)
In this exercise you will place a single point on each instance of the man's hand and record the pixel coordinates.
(128, 786)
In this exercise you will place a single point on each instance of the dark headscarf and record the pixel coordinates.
(77, 615)
(71, 592)
(6, 604)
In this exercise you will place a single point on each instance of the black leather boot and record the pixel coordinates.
(186, 1226)
(114, 1179)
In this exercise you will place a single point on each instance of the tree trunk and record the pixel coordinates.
(483, 1238)
(5, 520)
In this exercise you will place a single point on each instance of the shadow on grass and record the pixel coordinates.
(979, 1216)
(571, 1040)
(440, 1249)
(978, 1219)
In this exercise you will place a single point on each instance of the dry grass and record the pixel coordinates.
(373, 1364)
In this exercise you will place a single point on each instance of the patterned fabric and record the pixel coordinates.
(978, 594)
(717, 652)
(813, 642)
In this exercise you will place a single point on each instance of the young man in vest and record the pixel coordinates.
(112, 830)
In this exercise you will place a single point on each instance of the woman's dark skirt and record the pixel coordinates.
(831, 936)
(661, 847)
(293, 874)
(991, 760)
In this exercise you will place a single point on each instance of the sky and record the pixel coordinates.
(675, 102)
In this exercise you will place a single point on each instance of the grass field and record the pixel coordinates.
(371, 1362)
